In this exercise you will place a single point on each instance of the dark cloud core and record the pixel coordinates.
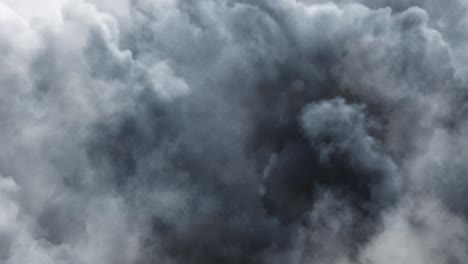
(233, 131)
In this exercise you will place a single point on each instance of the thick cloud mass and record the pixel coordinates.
(233, 131)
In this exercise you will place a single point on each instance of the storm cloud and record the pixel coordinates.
(233, 131)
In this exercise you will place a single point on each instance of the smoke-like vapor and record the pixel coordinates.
(233, 131)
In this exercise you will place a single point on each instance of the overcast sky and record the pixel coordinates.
(233, 131)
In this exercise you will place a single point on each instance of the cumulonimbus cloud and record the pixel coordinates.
(233, 131)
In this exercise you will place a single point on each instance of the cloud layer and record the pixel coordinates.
(233, 131)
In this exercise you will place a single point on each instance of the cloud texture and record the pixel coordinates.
(233, 131)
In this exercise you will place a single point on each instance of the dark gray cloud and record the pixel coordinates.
(233, 131)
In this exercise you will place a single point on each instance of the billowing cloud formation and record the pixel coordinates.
(233, 131)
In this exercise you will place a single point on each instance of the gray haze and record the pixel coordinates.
(233, 132)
